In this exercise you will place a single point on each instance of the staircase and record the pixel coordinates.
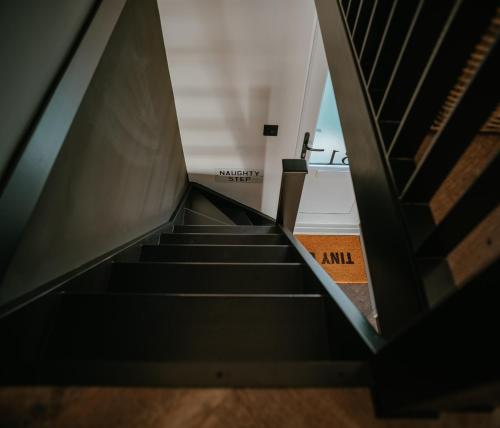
(220, 296)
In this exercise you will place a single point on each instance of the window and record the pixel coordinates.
(328, 133)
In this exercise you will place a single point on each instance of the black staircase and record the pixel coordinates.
(211, 299)
(222, 295)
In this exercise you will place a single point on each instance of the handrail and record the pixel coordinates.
(25, 186)
(365, 330)
(292, 183)
(397, 286)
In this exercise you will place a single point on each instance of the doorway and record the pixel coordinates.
(328, 222)
(320, 132)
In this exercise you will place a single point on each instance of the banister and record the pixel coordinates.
(397, 286)
(292, 183)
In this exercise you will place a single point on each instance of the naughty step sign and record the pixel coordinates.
(231, 175)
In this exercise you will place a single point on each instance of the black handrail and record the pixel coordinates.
(365, 330)
(292, 182)
(397, 286)
(25, 185)
(430, 95)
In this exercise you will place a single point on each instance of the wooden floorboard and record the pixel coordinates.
(208, 408)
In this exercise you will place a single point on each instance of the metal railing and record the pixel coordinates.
(409, 112)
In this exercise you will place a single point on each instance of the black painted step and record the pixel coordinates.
(291, 374)
(191, 217)
(219, 253)
(224, 238)
(133, 327)
(207, 278)
(240, 217)
(200, 204)
(253, 230)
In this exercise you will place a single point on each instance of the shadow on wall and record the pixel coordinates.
(216, 153)
(121, 170)
(222, 87)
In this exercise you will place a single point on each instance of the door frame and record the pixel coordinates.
(317, 74)
(317, 71)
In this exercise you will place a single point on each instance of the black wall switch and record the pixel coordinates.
(271, 130)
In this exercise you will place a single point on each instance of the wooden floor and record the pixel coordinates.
(208, 408)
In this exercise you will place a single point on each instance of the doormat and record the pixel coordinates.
(340, 256)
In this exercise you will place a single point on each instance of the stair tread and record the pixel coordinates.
(200, 204)
(235, 213)
(199, 294)
(217, 234)
(221, 245)
(245, 229)
(145, 263)
(129, 327)
(207, 277)
(219, 253)
(148, 262)
(223, 238)
(306, 373)
(192, 217)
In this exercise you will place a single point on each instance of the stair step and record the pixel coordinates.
(224, 238)
(195, 218)
(275, 374)
(252, 230)
(134, 327)
(219, 253)
(200, 204)
(240, 217)
(207, 278)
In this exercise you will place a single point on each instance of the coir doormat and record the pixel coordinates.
(340, 256)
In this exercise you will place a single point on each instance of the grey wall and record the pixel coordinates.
(121, 170)
(35, 38)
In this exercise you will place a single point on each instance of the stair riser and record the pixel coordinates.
(197, 219)
(145, 328)
(252, 230)
(236, 239)
(219, 253)
(206, 278)
(222, 374)
(200, 204)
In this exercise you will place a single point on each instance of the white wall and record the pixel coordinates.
(236, 65)
(328, 205)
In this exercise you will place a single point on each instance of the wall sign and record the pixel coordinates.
(239, 175)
